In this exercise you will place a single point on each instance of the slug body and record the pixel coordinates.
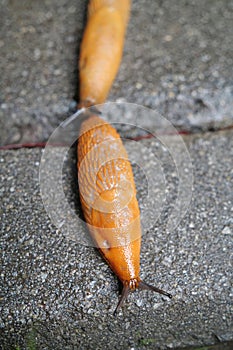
(109, 203)
(101, 48)
(108, 197)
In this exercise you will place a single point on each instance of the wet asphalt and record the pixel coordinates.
(177, 60)
(56, 292)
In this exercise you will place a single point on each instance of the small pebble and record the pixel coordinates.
(227, 231)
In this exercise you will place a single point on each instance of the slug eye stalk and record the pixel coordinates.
(141, 285)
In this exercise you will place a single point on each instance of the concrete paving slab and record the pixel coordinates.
(58, 294)
(177, 60)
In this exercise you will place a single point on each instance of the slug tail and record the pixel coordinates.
(145, 286)
(123, 297)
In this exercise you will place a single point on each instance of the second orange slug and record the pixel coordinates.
(101, 48)
(109, 203)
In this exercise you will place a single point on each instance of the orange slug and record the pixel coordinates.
(109, 203)
(106, 182)
(101, 48)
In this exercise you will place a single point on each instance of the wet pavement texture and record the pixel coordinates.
(59, 294)
(177, 60)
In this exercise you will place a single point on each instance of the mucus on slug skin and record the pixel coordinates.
(109, 203)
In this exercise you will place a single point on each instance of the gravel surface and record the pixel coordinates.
(58, 294)
(177, 60)
(39, 43)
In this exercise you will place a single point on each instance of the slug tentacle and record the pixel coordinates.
(134, 284)
(124, 294)
(145, 286)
